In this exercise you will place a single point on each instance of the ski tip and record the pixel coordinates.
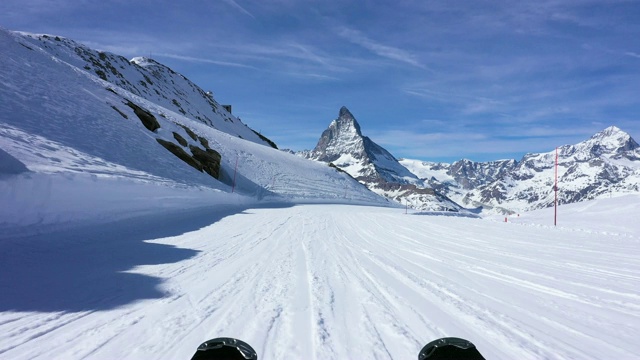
(450, 348)
(225, 349)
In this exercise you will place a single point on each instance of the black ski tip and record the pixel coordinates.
(450, 348)
(225, 349)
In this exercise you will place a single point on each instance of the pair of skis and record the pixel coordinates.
(234, 349)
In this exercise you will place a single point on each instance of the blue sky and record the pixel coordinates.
(430, 80)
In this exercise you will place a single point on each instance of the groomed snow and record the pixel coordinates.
(319, 282)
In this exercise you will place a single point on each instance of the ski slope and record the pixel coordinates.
(112, 248)
(320, 282)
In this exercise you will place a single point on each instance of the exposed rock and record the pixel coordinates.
(180, 153)
(204, 142)
(119, 112)
(210, 160)
(189, 132)
(148, 120)
(180, 139)
(265, 139)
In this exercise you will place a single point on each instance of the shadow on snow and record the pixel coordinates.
(85, 269)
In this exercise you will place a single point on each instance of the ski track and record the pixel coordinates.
(338, 282)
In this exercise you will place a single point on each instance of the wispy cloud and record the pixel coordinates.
(632, 54)
(379, 49)
(238, 7)
(204, 60)
(310, 75)
(285, 56)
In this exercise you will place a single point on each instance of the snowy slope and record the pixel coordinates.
(609, 216)
(146, 78)
(68, 128)
(428, 169)
(324, 282)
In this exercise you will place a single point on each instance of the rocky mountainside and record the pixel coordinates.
(343, 145)
(146, 78)
(607, 163)
(457, 179)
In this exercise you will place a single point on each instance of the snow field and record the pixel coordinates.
(335, 282)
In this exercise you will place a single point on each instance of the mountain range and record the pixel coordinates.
(607, 163)
(68, 108)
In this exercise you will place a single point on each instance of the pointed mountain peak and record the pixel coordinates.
(346, 122)
(345, 113)
(342, 132)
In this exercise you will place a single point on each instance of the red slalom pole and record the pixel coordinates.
(555, 188)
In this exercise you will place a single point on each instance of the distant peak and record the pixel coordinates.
(344, 112)
(611, 140)
(611, 132)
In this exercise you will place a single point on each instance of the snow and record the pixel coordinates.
(320, 281)
(110, 247)
(424, 170)
(615, 215)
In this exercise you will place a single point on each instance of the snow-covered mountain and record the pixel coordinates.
(608, 162)
(343, 145)
(457, 179)
(75, 146)
(148, 79)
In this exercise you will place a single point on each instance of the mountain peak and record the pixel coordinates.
(611, 140)
(345, 113)
(610, 131)
(346, 123)
(343, 130)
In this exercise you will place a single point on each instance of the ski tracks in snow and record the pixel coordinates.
(338, 282)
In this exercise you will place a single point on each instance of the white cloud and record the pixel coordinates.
(205, 60)
(235, 5)
(379, 49)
